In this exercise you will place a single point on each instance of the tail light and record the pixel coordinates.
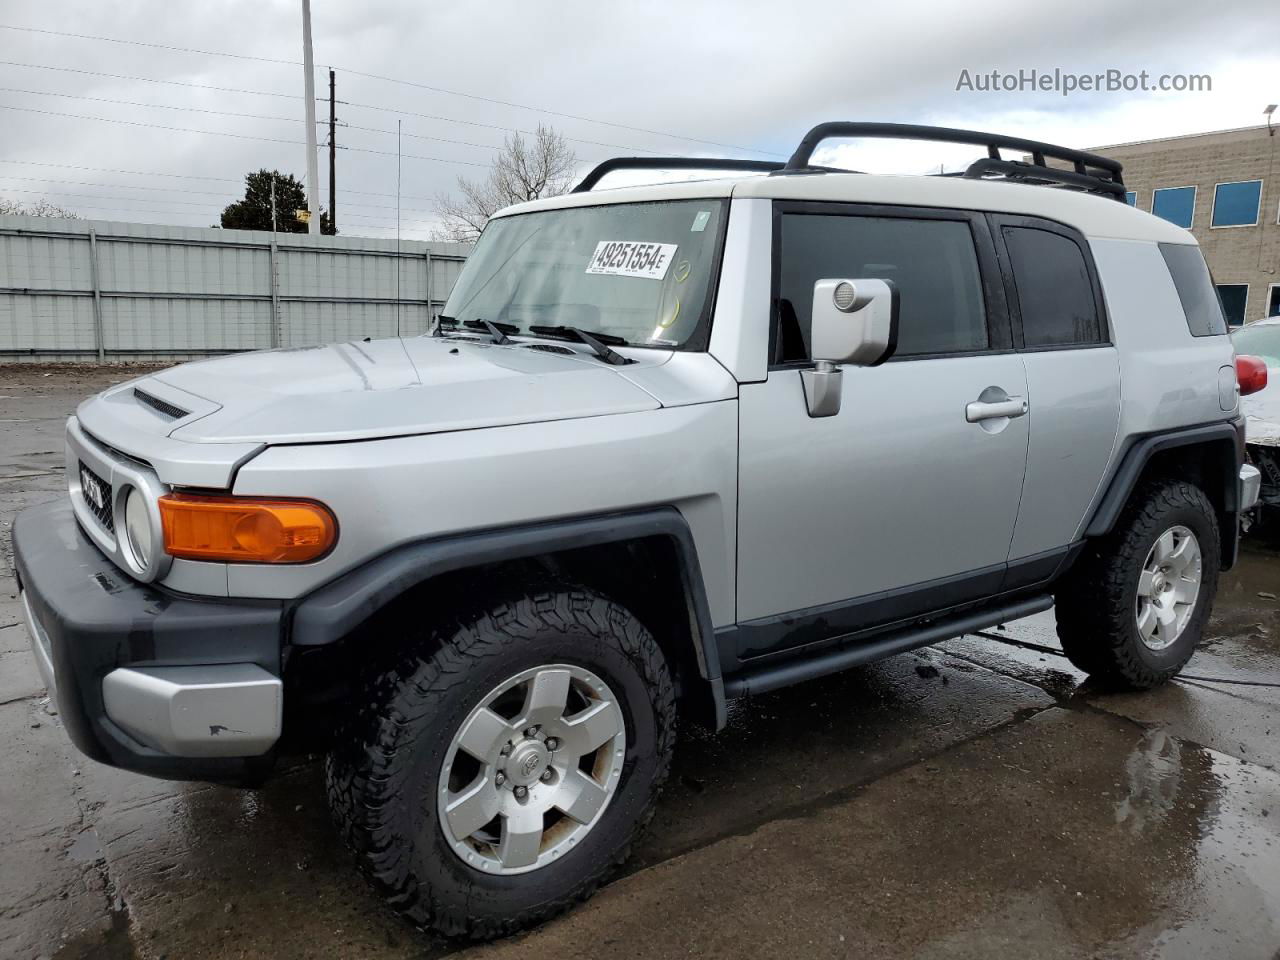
(1251, 374)
(245, 530)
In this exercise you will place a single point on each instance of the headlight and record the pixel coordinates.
(137, 528)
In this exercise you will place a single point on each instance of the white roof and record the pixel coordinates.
(1092, 214)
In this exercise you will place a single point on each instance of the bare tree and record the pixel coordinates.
(40, 208)
(523, 171)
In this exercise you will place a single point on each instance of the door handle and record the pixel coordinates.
(980, 410)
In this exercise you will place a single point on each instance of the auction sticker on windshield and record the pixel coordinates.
(629, 258)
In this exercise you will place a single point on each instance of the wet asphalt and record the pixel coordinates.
(972, 799)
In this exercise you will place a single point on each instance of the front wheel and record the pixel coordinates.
(497, 777)
(1133, 611)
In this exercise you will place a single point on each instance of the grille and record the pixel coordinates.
(97, 497)
(548, 348)
(158, 405)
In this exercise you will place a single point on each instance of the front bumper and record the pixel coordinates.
(1250, 486)
(146, 679)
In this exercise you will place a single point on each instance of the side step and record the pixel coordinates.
(773, 676)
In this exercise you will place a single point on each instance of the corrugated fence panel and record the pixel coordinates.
(46, 263)
(183, 325)
(307, 324)
(42, 324)
(183, 291)
(151, 267)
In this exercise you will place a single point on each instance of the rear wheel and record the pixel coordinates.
(499, 775)
(1133, 611)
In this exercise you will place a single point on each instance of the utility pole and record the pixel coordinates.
(398, 227)
(309, 85)
(333, 156)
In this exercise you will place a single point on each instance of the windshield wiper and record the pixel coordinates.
(441, 321)
(497, 331)
(596, 341)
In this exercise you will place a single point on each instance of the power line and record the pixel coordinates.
(554, 113)
(155, 126)
(154, 46)
(121, 186)
(225, 133)
(152, 106)
(172, 83)
(360, 204)
(386, 79)
(288, 96)
(232, 113)
(487, 126)
(91, 196)
(140, 173)
(157, 173)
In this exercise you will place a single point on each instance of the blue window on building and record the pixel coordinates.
(1175, 204)
(1236, 204)
(1131, 198)
(1235, 300)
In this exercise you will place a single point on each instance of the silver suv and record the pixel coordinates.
(670, 445)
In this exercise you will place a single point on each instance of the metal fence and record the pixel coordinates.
(83, 290)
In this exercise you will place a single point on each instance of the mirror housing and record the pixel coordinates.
(853, 322)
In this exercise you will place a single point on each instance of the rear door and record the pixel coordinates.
(1060, 329)
(898, 503)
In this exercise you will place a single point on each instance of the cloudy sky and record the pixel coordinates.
(137, 131)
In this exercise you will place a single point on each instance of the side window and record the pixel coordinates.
(1195, 289)
(1055, 294)
(933, 263)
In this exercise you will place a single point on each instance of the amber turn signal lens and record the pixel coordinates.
(245, 530)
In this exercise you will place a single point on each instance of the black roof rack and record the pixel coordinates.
(673, 163)
(1089, 171)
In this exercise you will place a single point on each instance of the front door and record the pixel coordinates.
(905, 500)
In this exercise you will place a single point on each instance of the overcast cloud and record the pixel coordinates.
(754, 75)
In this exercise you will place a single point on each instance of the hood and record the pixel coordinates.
(386, 388)
(1262, 412)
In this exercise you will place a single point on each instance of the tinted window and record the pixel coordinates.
(933, 263)
(1235, 300)
(1055, 296)
(1236, 204)
(1175, 204)
(1195, 289)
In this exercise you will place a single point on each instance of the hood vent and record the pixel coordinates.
(549, 348)
(162, 407)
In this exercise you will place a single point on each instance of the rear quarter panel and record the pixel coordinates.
(1168, 378)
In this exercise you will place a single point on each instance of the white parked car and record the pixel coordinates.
(1261, 339)
(670, 445)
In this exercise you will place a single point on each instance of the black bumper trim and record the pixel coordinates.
(97, 619)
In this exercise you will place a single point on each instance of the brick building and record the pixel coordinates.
(1223, 187)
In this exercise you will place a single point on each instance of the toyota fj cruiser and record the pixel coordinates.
(669, 445)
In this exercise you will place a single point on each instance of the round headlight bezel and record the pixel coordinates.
(137, 533)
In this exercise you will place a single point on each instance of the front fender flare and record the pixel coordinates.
(334, 610)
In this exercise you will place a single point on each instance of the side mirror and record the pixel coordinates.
(853, 322)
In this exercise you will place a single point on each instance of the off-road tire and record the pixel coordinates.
(1096, 602)
(383, 770)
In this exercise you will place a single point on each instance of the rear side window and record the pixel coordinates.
(1195, 289)
(933, 262)
(1055, 294)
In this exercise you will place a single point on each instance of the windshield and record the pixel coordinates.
(638, 271)
(1261, 341)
